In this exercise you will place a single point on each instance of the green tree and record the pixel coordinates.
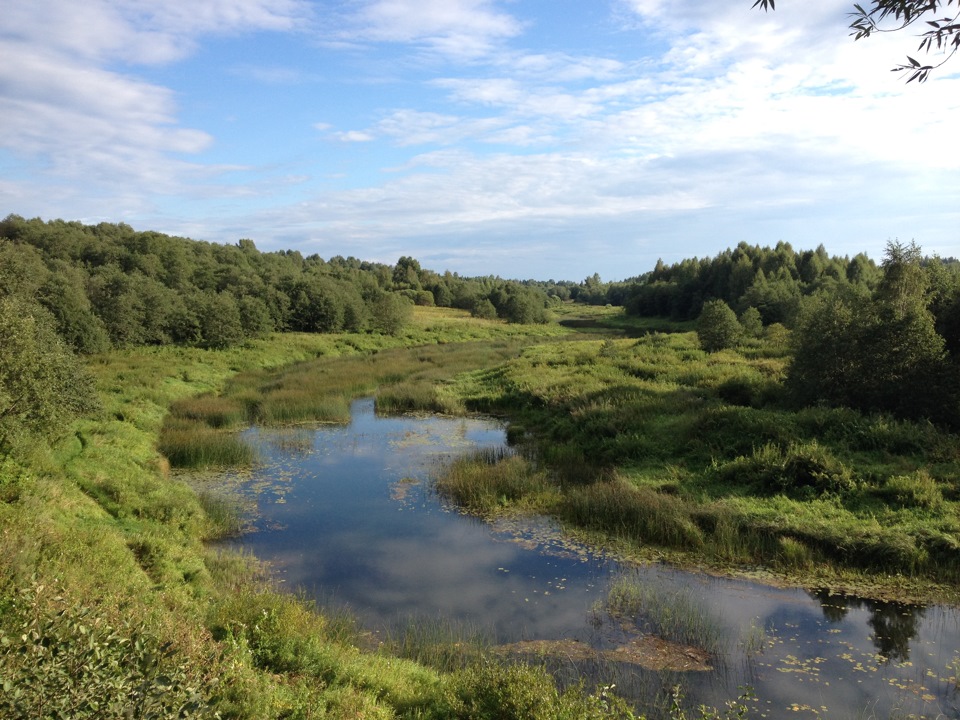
(877, 353)
(718, 327)
(751, 322)
(483, 309)
(220, 323)
(406, 274)
(64, 296)
(43, 387)
(391, 313)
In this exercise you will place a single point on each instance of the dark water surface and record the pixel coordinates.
(347, 513)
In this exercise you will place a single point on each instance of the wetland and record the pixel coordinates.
(350, 515)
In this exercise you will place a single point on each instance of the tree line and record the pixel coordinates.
(875, 337)
(108, 285)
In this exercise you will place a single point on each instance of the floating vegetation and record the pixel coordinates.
(400, 490)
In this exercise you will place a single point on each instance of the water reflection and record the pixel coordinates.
(894, 624)
(347, 513)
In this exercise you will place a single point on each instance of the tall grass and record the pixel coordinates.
(801, 491)
(440, 643)
(189, 444)
(641, 515)
(486, 483)
(674, 615)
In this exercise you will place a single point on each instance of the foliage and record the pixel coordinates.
(72, 662)
(718, 327)
(652, 442)
(751, 322)
(944, 34)
(111, 286)
(772, 280)
(880, 353)
(42, 385)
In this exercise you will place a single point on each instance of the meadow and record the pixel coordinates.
(633, 436)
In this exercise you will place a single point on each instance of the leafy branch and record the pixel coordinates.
(943, 35)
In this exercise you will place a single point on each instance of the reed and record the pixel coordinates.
(440, 643)
(487, 485)
(638, 514)
(213, 410)
(408, 397)
(675, 615)
(224, 514)
(188, 444)
(301, 405)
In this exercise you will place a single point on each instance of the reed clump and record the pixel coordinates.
(488, 483)
(638, 514)
(676, 615)
(194, 445)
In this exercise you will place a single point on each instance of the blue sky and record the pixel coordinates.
(522, 138)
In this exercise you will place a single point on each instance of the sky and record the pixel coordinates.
(543, 139)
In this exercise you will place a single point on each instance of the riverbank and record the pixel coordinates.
(660, 450)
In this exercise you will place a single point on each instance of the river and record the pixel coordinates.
(347, 513)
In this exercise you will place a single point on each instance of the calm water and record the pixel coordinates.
(347, 513)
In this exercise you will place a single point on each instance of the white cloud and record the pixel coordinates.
(460, 28)
(354, 136)
(141, 31)
(64, 103)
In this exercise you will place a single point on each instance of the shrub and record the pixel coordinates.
(718, 327)
(74, 663)
(800, 470)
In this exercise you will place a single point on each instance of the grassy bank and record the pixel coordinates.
(660, 449)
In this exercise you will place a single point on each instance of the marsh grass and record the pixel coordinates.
(440, 643)
(801, 491)
(638, 514)
(755, 638)
(212, 410)
(487, 483)
(188, 444)
(226, 515)
(674, 615)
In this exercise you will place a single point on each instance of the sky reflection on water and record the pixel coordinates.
(347, 513)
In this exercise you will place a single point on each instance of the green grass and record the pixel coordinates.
(674, 615)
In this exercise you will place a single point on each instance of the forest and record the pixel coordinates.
(766, 407)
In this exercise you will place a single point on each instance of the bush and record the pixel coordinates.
(73, 663)
(43, 386)
(718, 327)
(800, 470)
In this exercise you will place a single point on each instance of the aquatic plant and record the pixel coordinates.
(675, 615)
